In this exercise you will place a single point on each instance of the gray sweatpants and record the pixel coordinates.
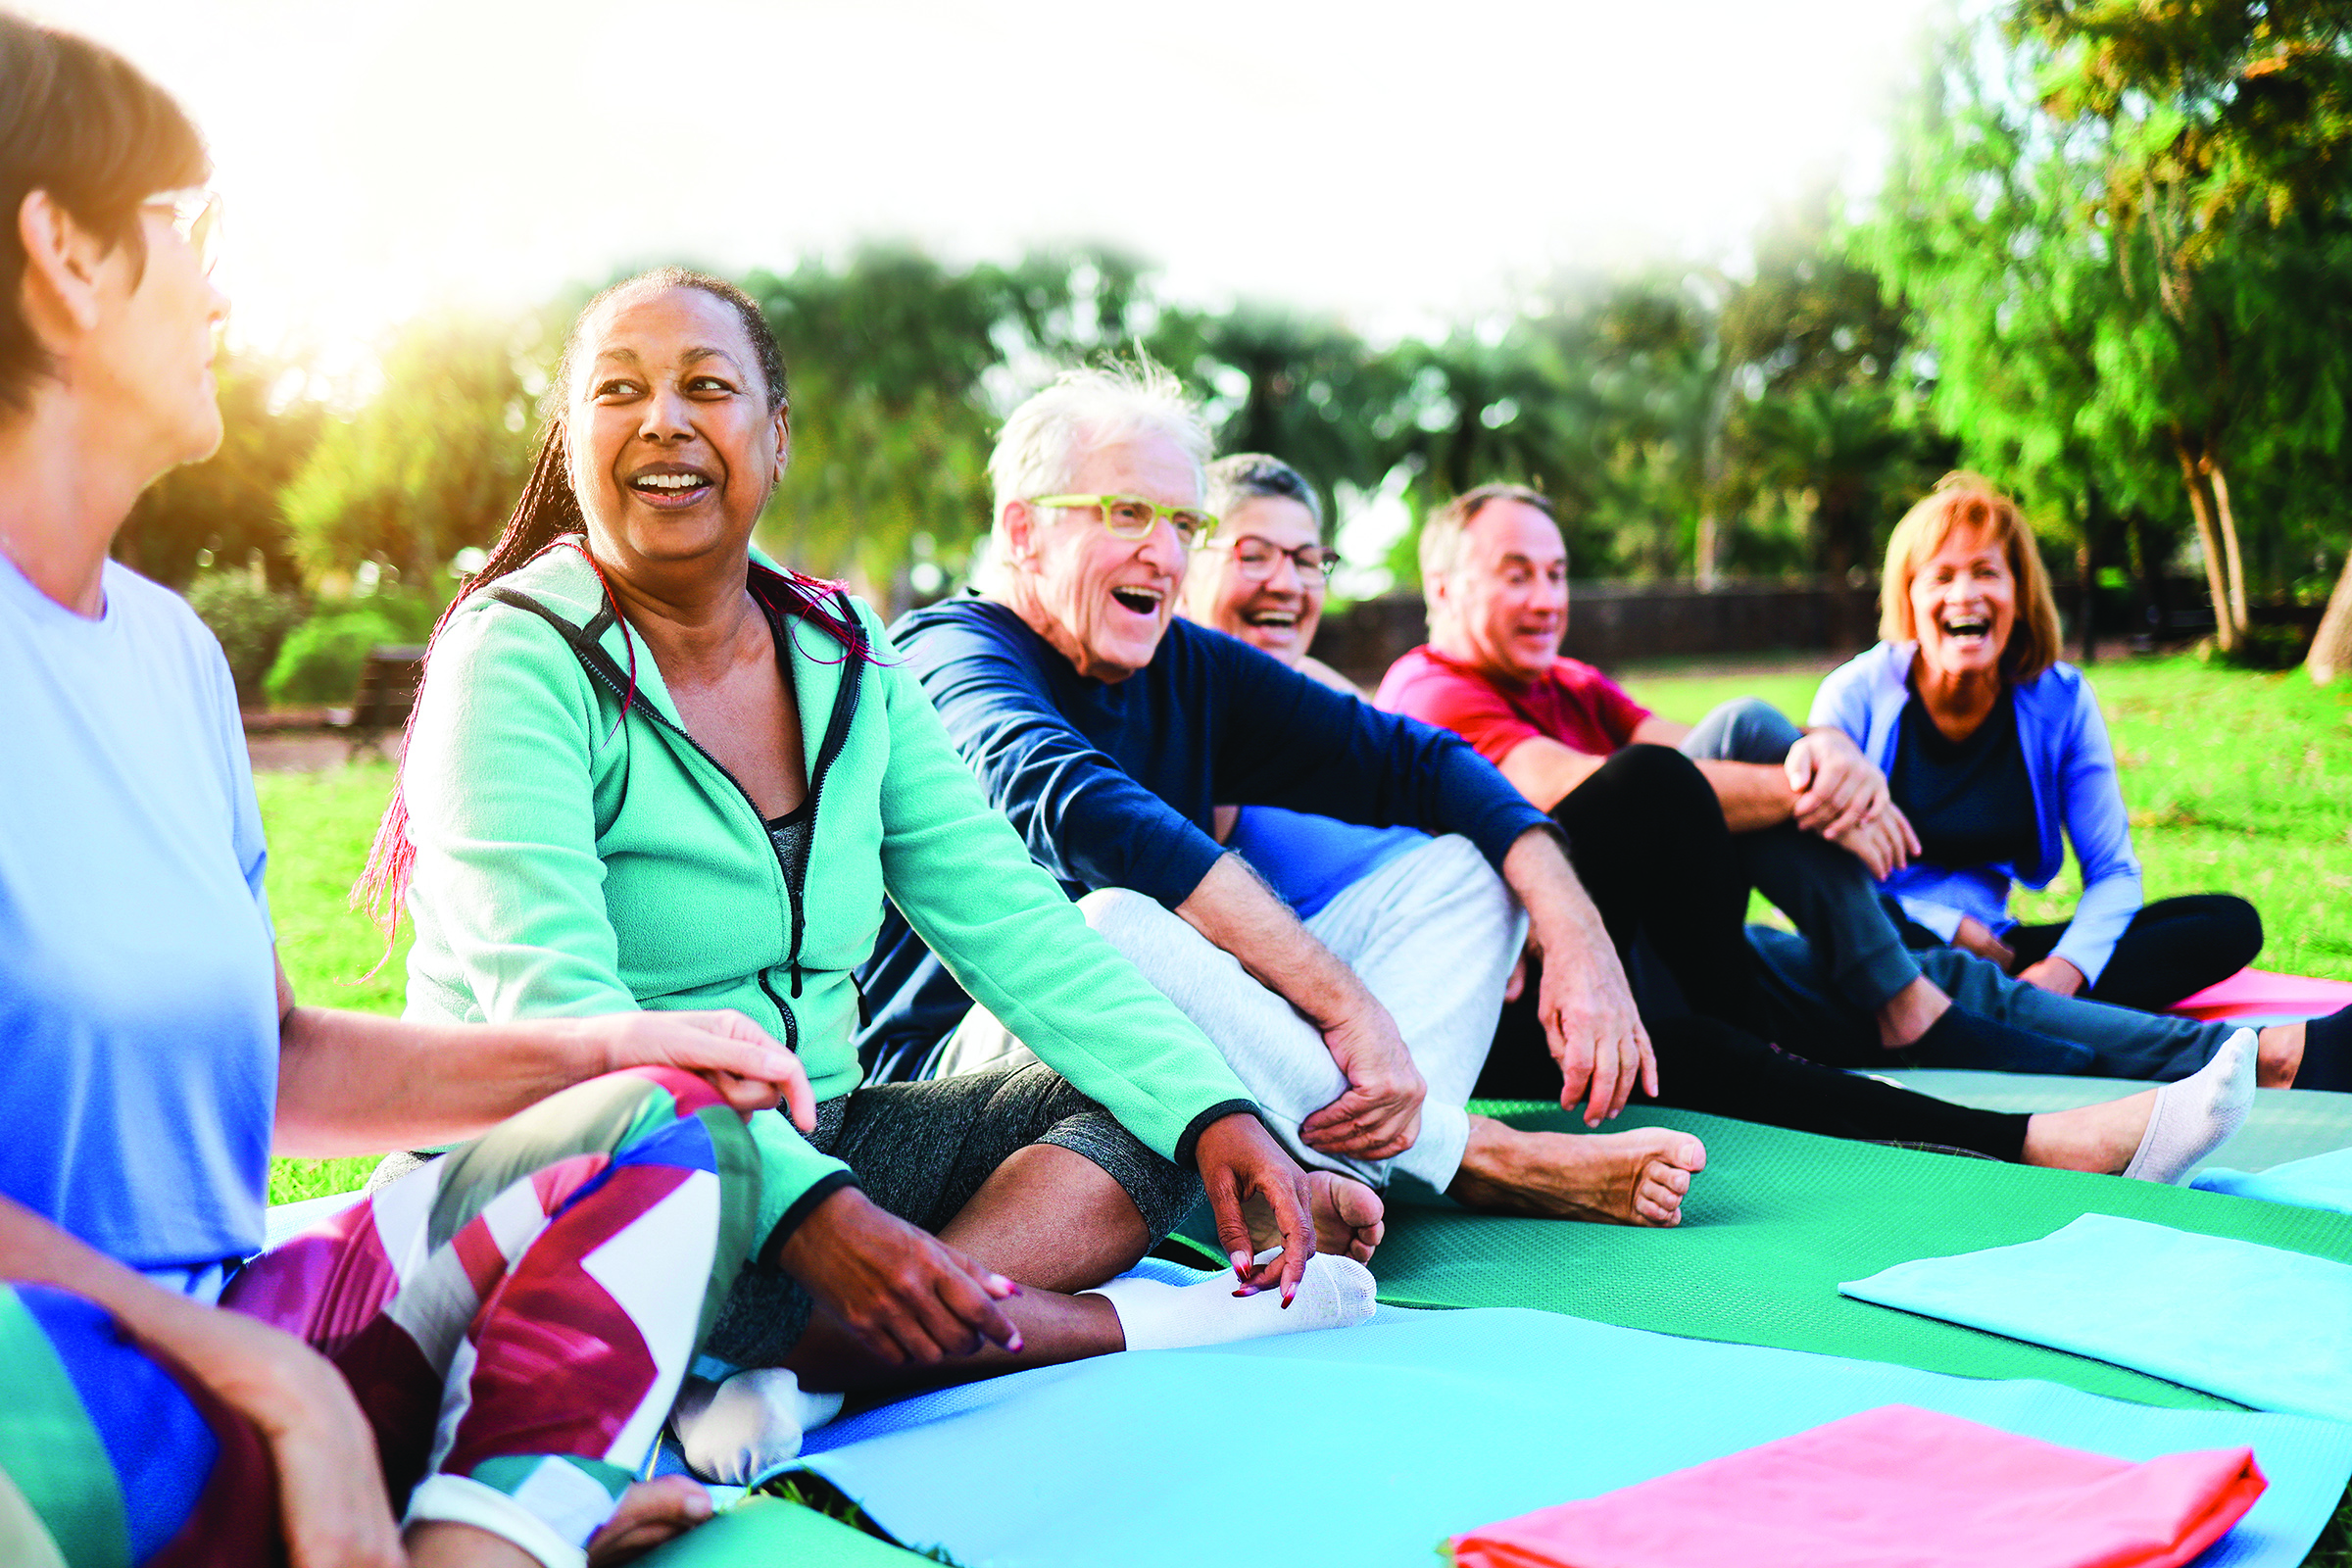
(1433, 935)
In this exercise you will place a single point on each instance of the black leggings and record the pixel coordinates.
(1707, 1066)
(1646, 836)
(2173, 948)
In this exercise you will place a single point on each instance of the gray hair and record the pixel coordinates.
(1045, 439)
(1249, 475)
(1440, 542)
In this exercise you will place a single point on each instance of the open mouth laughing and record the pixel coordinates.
(671, 484)
(1138, 599)
(1964, 628)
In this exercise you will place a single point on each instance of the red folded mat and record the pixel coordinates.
(1892, 1488)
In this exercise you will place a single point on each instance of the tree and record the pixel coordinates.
(428, 465)
(224, 509)
(2218, 120)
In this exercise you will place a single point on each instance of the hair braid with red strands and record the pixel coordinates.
(547, 515)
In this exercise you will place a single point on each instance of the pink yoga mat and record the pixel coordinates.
(1892, 1485)
(2260, 994)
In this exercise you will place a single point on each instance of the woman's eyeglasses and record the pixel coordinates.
(195, 215)
(1254, 558)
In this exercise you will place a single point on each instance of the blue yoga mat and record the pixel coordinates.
(1366, 1446)
(2257, 1324)
(2324, 1180)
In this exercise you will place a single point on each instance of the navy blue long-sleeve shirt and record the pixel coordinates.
(1113, 784)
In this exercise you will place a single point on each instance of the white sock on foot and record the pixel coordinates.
(1337, 1293)
(744, 1430)
(2196, 1116)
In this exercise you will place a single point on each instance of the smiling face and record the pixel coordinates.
(1503, 606)
(672, 444)
(1277, 614)
(1964, 599)
(1101, 600)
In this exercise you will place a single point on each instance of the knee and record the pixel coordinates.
(1659, 781)
(1124, 917)
(2238, 927)
(1758, 731)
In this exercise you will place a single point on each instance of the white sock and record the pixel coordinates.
(1337, 1293)
(2196, 1116)
(744, 1430)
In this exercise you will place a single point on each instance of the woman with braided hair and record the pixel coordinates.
(649, 770)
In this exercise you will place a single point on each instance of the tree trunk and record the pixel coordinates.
(1704, 552)
(2332, 650)
(2224, 624)
(2238, 566)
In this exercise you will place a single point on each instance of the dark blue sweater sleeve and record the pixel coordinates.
(1293, 742)
(1084, 819)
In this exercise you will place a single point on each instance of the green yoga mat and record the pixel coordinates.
(765, 1533)
(2285, 1124)
(1779, 1218)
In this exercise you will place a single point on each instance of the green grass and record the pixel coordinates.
(320, 826)
(2237, 782)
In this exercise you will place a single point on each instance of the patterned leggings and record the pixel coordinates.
(513, 1318)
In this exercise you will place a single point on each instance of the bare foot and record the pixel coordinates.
(2282, 1056)
(1631, 1178)
(1348, 1217)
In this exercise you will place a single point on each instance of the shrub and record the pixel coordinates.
(252, 622)
(321, 661)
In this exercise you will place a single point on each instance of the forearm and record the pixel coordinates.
(1236, 912)
(1753, 795)
(1561, 917)
(33, 1252)
(351, 1083)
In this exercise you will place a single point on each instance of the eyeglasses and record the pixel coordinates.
(1254, 558)
(1134, 517)
(195, 215)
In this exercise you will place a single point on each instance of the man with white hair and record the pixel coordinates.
(1108, 731)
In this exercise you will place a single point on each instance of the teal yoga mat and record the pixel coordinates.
(2260, 1325)
(1363, 1448)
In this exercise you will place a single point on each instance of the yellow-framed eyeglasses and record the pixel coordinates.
(1134, 517)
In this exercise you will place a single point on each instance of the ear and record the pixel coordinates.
(1019, 525)
(783, 422)
(62, 266)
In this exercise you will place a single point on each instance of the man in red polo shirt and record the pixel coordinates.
(1809, 815)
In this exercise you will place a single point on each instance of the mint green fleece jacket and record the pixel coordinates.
(571, 861)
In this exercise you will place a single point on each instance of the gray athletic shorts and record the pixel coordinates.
(922, 1150)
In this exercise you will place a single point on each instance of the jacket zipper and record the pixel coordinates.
(594, 660)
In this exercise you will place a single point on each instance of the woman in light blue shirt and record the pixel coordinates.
(1992, 748)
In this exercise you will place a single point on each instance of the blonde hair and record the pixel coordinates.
(1964, 500)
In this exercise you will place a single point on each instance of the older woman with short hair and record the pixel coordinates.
(484, 1352)
(1996, 752)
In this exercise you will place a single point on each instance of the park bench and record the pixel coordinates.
(388, 679)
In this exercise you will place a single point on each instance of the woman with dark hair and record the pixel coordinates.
(485, 1352)
(649, 770)
(1995, 750)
